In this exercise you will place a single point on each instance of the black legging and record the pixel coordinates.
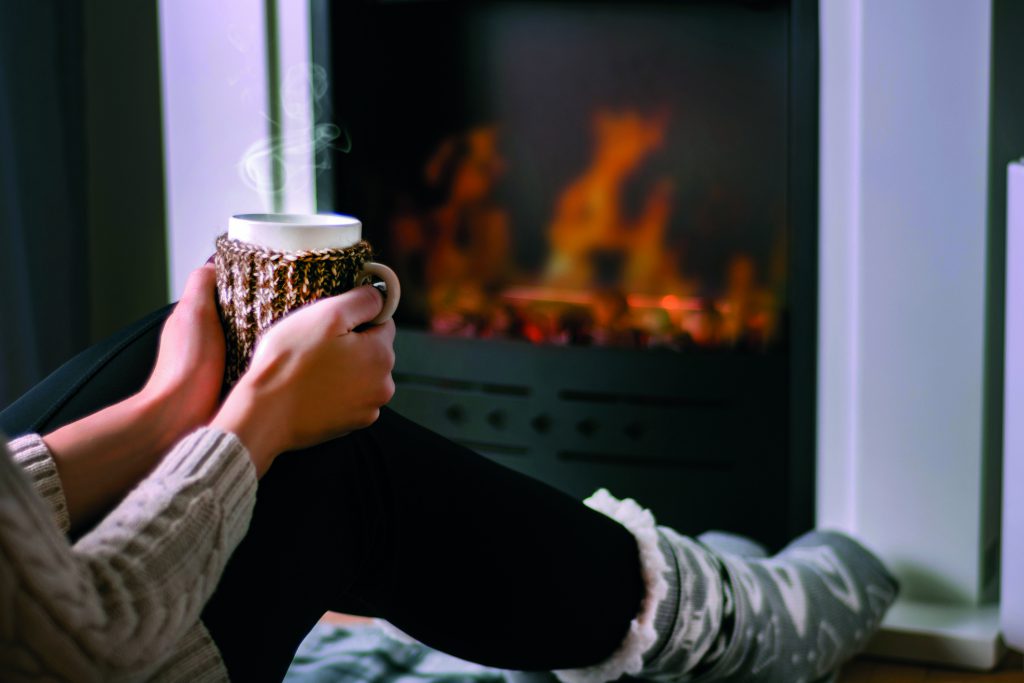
(392, 521)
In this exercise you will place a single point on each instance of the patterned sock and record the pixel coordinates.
(668, 608)
(723, 542)
(718, 610)
(795, 617)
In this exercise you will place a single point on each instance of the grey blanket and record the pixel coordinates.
(364, 654)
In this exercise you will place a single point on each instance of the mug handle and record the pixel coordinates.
(392, 292)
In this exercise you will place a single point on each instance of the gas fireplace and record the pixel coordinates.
(604, 218)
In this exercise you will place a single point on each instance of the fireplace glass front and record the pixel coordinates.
(603, 223)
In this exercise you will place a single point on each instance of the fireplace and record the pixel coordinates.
(604, 218)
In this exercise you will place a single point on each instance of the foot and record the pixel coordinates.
(717, 609)
(723, 542)
(803, 612)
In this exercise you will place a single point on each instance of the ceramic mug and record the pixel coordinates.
(298, 233)
(271, 264)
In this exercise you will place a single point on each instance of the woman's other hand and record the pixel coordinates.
(102, 456)
(185, 384)
(313, 377)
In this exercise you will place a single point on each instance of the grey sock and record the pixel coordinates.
(718, 610)
(668, 609)
(723, 542)
(733, 544)
(797, 616)
(687, 634)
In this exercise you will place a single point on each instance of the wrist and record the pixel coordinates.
(157, 413)
(123, 442)
(240, 415)
(172, 411)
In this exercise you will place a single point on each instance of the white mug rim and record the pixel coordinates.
(301, 220)
(294, 232)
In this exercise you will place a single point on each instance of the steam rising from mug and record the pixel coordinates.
(298, 147)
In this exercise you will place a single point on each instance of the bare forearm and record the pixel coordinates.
(103, 456)
(240, 416)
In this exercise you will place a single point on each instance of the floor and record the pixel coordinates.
(877, 671)
(864, 670)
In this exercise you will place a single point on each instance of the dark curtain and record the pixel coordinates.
(44, 316)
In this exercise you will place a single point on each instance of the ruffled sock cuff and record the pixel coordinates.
(642, 635)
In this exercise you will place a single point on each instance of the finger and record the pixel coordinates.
(353, 308)
(380, 338)
(389, 330)
(200, 286)
(385, 332)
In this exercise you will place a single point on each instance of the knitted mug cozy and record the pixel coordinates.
(257, 286)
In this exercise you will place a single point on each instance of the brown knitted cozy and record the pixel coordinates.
(256, 287)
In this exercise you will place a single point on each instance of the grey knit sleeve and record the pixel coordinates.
(31, 453)
(125, 597)
(195, 659)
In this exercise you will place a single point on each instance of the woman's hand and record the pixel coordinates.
(102, 456)
(313, 378)
(184, 387)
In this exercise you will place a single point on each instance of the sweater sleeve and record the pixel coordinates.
(31, 453)
(120, 601)
(195, 659)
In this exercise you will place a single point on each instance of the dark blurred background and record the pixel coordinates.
(82, 219)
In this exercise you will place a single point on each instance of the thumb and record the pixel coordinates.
(200, 286)
(353, 308)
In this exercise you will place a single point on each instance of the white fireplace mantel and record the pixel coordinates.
(901, 454)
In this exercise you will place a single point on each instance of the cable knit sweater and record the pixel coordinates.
(122, 603)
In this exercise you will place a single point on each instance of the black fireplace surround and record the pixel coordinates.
(710, 436)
